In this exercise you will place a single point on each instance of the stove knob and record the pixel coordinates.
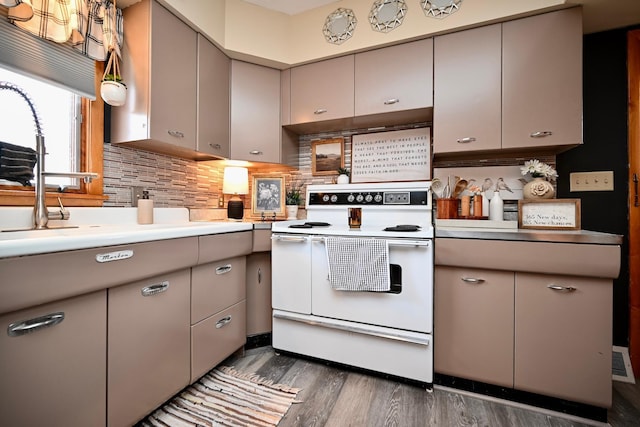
(359, 198)
(334, 198)
(368, 198)
(378, 198)
(325, 198)
(350, 198)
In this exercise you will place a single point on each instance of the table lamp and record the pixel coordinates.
(235, 182)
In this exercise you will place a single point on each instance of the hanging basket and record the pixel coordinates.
(112, 90)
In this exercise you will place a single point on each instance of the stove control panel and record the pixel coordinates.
(374, 198)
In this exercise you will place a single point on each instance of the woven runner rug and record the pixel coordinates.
(226, 397)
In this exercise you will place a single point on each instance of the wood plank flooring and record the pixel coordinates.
(334, 397)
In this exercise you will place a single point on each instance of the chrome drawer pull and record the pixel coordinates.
(562, 288)
(466, 140)
(216, 146)
(223, 322)
(320, 111)
(259, 275)
(391, 101)
(25, 327)
(473, 280)
(176, 133)
(256, 152)
(297, 239)
(224, 269)
(148, 291)
(541, 134)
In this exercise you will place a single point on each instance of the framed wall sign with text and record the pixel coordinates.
(549, 214)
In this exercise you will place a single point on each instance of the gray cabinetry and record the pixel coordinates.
(55, 375)
(255, 113)
(394, 78)
(323, 90)
(467, 86)
(213, 99)
(258, 293)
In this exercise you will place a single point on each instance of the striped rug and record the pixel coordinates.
(226, 397)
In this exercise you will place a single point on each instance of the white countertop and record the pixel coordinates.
(98, 227)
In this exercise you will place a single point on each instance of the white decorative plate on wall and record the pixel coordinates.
(440, 8)
(339, 25)
(386, 15)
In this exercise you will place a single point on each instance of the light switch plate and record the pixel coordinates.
(591, 181)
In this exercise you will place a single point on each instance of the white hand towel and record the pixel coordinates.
(358, 264)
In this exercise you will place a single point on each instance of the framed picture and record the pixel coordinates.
(268, 196)
(549, 214)
(327, 155)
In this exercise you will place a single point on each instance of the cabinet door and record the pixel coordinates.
(173, 76)
(149, 345)
(258, 293)
(473, 324)
(55, 375)
(291, 273)
(255, 113)
(394, 78)
(213, 99)
(542, 80)
(323, 90)
(467, 85)
(563, 337)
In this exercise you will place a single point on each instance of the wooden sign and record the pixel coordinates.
(403, 155)
(549, 214)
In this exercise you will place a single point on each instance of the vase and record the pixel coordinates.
(496, 207)
(343, 179)
(538, 188)
(292, 211)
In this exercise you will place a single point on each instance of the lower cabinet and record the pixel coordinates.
(149, 345)
(542, 333)
(52, 363)
(258, 293)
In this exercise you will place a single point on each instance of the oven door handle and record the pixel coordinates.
(282, 238)
(417, 243)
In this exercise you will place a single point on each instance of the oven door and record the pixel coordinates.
(409, 304)
(291, 273)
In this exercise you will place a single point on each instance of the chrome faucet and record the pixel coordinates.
(41, 214)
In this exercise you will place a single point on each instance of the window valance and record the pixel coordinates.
(91, 26)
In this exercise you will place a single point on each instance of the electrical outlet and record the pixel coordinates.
(136, 194)
(591, 181)
(221, 201)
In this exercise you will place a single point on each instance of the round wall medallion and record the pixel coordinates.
(440, 8)
(339, 25)
(386, 15)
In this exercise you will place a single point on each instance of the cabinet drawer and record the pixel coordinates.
(215, 247)
(217, 337)
(56, 376)
(216, 286)
(74, 273)
(261, 240)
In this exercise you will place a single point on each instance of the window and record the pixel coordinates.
(73, 130)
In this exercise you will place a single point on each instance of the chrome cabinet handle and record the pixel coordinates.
(216, 146)
(473, 280)
(176, 133)
(391, 101)
(223, 322)
(27, 326)
(259, 275)
(157, 288)
(256, 152)
(224, 269)
(541, 134)
(297, 239)
(561, 288)
(465, 140)
(320, 111)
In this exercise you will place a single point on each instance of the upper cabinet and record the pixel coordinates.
(394, 78)
(542, 80)
(322, 90)
(161, 68)
(467, 87)
(516, 85)
(255, 113)
(213, 99)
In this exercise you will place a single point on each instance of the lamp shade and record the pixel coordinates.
(235, 180)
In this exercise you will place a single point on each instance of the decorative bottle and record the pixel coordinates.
(145, 209)
(496, 207)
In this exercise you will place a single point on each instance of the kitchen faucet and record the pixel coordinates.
(41, 215)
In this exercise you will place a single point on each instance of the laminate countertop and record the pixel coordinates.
(528, 235)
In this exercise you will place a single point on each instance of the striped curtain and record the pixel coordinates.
(90, 26)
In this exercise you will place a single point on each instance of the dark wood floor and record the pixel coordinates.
(335, 397)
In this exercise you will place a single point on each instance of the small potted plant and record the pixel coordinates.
(343, 176)
(293, 198)
(112, 89)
